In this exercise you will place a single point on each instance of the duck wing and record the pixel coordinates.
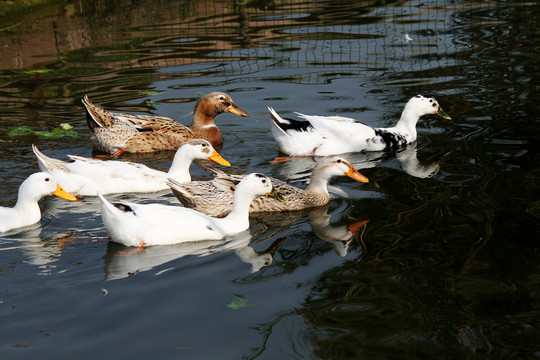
(209, 197)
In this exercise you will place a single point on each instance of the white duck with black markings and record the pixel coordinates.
(328, 135)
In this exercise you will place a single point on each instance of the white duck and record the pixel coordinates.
(328, 135)
(85, 176)
(157, 224)
(26, 211)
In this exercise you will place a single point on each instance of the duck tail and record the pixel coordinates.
(276, 118)
(96, 117)
(288, 124)
(113, 209)
(48, 164)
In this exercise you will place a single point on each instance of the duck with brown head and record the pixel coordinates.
(116, 133)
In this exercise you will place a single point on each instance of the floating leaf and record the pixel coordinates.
(38, 71)
(149, 92)
(63, 130)
(65, 126)
(238, 303)
(20, 130)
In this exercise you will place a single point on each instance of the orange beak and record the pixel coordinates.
(217, 158)
(354, 227)
(353, 174)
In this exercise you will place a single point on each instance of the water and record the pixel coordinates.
(446, 265)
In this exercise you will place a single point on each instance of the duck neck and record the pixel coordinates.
(407, 123)
(27, 204)
(318, 185)
(239, 215)
(179, 169)
(203, 125)
(209, 132)
(203, 115)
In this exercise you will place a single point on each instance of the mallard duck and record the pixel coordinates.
(116, 133)
(328, 135)
(158, 224)
(85, 176)
(26, 211)
(215, 197)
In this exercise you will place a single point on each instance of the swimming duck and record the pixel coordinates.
(26, 211)
(328, 135)
(117, 133)
(158, 224)
(85, 176)
(215, 197)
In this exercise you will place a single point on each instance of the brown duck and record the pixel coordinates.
(116, 133)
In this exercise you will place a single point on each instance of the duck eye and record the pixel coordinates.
(338, 161)
(46, 179)
(264, 181)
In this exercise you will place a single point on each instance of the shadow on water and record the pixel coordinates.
(437, 256)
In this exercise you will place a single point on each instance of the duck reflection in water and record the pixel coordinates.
(340, 234)
(299, 168)
(36, 248)
(122, 261)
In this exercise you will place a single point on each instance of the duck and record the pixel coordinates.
(86, 176)
(331, 135)
(215, 197)
(116, 133)
(143, 225)
(26, 211)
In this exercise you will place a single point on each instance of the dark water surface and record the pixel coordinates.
(448, 263)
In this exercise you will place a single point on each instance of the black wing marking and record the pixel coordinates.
(123, 207)
(294, 125)
(391, 140)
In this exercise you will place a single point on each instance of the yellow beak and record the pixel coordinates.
(276, 195)
(217, 158)
(237, 111)
(442, 114)
(61, 193)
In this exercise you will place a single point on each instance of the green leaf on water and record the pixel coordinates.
(149, 92)
(65, 126)
(38, 71)
(20, 130)
(61, 131)
(238, 303)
